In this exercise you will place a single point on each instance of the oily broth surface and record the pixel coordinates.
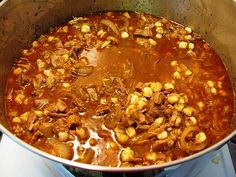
(76, 56)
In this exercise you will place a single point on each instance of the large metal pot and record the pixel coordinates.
(21, 21)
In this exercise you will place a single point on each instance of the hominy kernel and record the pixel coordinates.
(188, 73)
(200, 137)
(114, 100)
(151, 156)
(159, 121)
(63, 136)
(168, 86)
(188, 111)
(124, 35)
(134, 99)
(147, 92)
(16, 120)
(18, 71)
(35, 44)
(156, 86)
(152, 42)
(191, 46)
(179, 106)
(66, 84)
(162, 135)
(85, 28)
(174, 63)
(51, 38)
(158, 36)
(160, 30)
(187, 37)
(38, 113)
(188, 29)
(158, 24)
(127, 154)
(141, 104)
(214, 91)
(183, 45)
(173, 98)
(131, 132)
(210, 83)
(176, 75)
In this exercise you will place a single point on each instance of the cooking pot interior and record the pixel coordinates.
(22, 21)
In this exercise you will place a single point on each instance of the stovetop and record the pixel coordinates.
(17, 161)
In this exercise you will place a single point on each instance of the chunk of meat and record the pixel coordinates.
(147, 32)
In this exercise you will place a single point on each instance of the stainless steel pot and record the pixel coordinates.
(21, 21)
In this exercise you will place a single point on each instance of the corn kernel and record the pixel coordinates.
(188, 111)
(152, 42)
(162, 135)
(176, 75)
(131, 132)
(18, 71)
(63, 136)
(151, 156)
(85, 28)
(124, 35)
(127, 154)
(173, 98)
(200, 137)
(183, 45)
(147, 92)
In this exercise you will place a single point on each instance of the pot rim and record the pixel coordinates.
(114, 169)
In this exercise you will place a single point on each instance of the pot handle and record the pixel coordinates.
(232, 150)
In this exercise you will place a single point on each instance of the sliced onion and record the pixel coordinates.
(189, 146)
(111, 25)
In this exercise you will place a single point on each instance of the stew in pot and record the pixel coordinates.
(120, 89)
